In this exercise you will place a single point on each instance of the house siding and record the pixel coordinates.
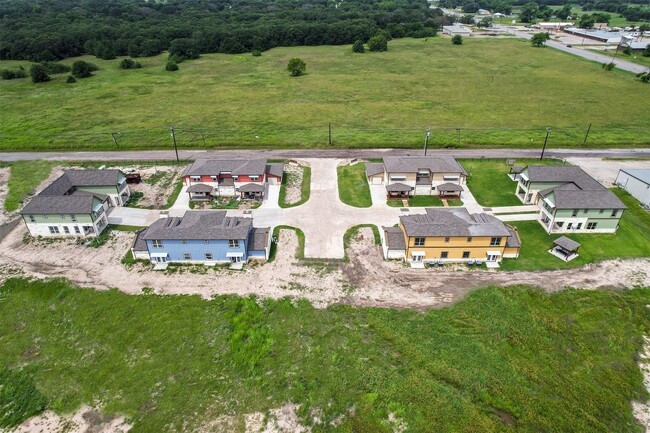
(478, 248)
(638, 189)
(197, 249)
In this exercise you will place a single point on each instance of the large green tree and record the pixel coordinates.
(539, 39)
(529, 12)
(39, 74)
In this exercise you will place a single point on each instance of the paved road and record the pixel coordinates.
(589, 55)
(154, 155)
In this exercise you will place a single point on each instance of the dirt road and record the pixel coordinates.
(365, 280)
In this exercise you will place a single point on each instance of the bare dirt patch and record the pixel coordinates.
(157, 184)
(642, 409)
(294, 173)
(365, 280)
(85, 420)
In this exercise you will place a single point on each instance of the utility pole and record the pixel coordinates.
(114, 139)
(173, 134)
(426, 141)
(586, 135)
(548, 130)
(329, 134)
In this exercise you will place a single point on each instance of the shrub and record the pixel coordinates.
(38, 73)
(8, 74)
(457, 40)
(609, 66)
(646, 51)
(644, 77)
(81, 69)
(171, 66)
(627, 51)
(296, 67)
(378, 43)
(70, 79)
(358, 47)
(55, 68)
(256, 53)
(129, 64)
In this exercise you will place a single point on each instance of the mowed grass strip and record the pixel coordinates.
(175, 363)
(499, 92)
(353, 185)
(631, 240)
(25, 176)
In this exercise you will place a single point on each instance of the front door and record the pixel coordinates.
(492, 257)
(417, 258)
(235, 259)
(160, 259)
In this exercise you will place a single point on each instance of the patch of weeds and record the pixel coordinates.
(292, 285)
(348, 288)
(134, 199)
(19, 398)
(147, 291)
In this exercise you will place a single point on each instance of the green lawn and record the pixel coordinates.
(25, 176)
(353, 185)
(631, 240)
(635, 57)
(305, 187)
(504, 359)
(488, 180)
(499, 92)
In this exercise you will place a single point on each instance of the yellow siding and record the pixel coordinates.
(434, 246)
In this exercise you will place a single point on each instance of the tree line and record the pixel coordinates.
(48, 30)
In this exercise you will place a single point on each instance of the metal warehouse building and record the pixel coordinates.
(637, 183)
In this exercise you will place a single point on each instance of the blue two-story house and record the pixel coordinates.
(207, 237)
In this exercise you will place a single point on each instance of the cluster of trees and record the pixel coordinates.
(472, 6)
(45, 30)
(129, 64)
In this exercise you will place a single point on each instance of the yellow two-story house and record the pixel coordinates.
(451, 235)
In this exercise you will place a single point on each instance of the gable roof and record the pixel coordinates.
(562, 173)
(394, 238)
(566, 243)
(453, 222)
(252, 187)
(569, 198)
(200, 225)
(398, 187)
(258, 238)
(237, 167)
(411, 164)
(373, 168)
(199, 187)
(79, 178)
(79, 203)
(275, 169)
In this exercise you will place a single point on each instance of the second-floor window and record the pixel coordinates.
(233, 243)
(195, 178)
(255, 178)
(495, 242)
(469, 239)
(575, 212)
(73, 218)
(32, 219)
(419, 242)
(446, 240)
(614, 212)
(157, 243)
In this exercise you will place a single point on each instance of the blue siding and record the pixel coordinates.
(197, 249)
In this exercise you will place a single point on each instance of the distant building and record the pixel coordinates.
(455, 30)
(597, 35)
(483, 12)
(552, 26)
(637, 183)
(634, 46)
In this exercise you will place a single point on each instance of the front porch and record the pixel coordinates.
(398, 191)
(200, 192)
(252, 191)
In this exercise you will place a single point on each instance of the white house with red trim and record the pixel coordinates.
(207, 178)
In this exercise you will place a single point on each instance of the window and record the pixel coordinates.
(614, 212)
(208, 256)
(235, 178)
(73, 218)
(62, 217)
(187, 256)
(184, 242)
(591, 226)
(579, 226)
(469, 239)
(450, 178)
(255, 178)
(466, 254)
(397, 178)
(66, 230)
(206, 241)
(447, 240)
(575, 212)
(602, 211)
(76, 229)
(569, 226)
(444, 254)
(419, 242)
(156, 243)
(54, 230)
(233, 243)
(213, 178)
(195, 178)
(495, 241)
(560, 224)
(32, 219)
(585, 211)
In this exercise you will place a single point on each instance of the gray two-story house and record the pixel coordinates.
(76, 203)
(570, 201)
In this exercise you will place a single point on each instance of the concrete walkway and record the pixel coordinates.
(514, 209)
(131, 216)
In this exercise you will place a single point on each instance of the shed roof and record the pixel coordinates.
(200, 225)
(258, 238)
(450, 187)
(139, 244)
(394, 238)
(275, 169)
(453, 222)
(252, 187)
(566, 243)
(199, 187)
(374, 168)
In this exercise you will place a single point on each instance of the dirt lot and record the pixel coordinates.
(366, 280)
(157, 184)
(294, 183)
(85, 420)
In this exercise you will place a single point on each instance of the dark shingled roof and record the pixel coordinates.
(199, 187)
(373, 168)
(566, 243)
(252, 187)
(258, 238)
(394, 238)
(200, 225)
(79, 178)
(411, 164)
(562, 173)
(212, 167)
(516, 168)
(79, 203)
(578, 199)
(398, 187)
(450, 187)
(275, 169)
(453, 222)
(139, 244)
(513, 240)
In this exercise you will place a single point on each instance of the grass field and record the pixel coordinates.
(489, 182)
(353, 185)
(504, 359)
(631, 240)
(499, 92)
(24, 177)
